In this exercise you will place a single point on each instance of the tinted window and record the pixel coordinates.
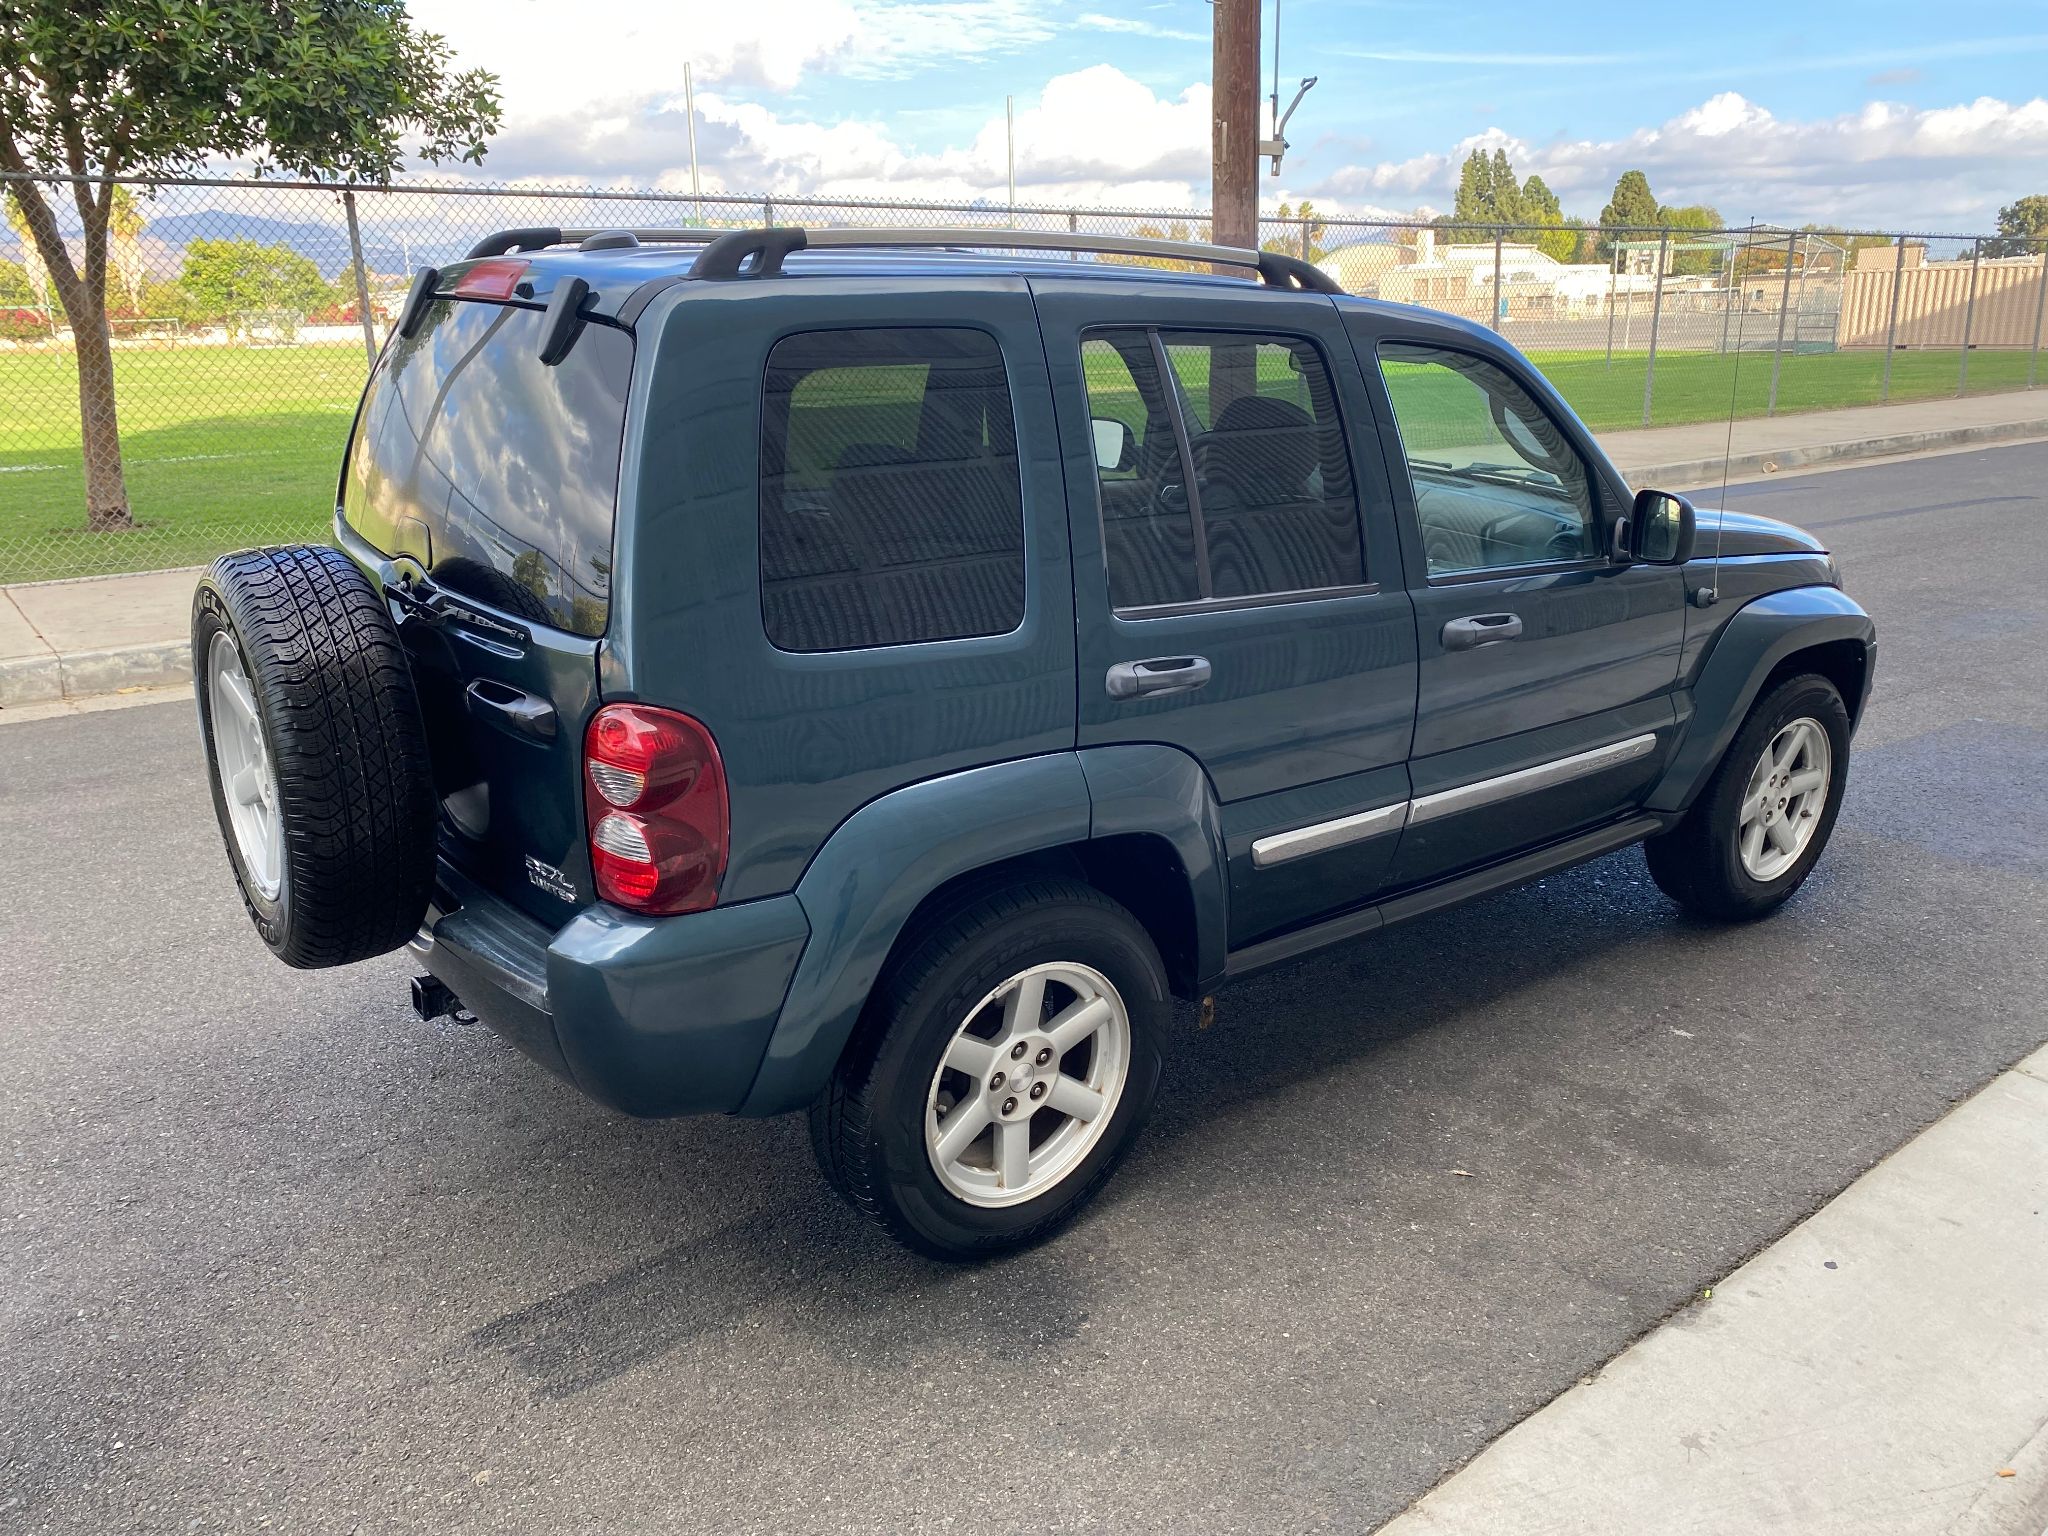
(498, 474)
(1147, 530)
(1258, 502)
(1496, 482)
(890, 510)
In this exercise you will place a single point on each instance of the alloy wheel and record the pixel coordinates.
(241, 757)
(1028, 1084)
(1782, 803)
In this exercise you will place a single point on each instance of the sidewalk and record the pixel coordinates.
(101, 635)
(1674, 458)
(72, 640)
(1881, 1370)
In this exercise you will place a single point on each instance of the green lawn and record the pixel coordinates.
(229, 446)
(221, 446)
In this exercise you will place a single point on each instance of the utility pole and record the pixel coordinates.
(1234, 176)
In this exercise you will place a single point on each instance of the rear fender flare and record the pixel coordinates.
(1149, 789)
(870, 876)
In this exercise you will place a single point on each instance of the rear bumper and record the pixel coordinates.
(651, 1016)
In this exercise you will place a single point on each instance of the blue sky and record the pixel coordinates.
(1876, 114)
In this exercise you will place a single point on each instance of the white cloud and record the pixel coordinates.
(1097, 22)
(1878, 166)
(625, 50)
(1521, 60)
(1092, 136)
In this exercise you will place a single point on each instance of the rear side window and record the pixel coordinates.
(890, 508)
(1234, 484)
(499, 475)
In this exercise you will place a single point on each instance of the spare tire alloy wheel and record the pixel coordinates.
(1028, 1085)
(242, 765)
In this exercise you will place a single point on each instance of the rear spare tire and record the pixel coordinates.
(316, 753)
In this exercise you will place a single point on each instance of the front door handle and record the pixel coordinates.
(1481, 629)
(1160, 674)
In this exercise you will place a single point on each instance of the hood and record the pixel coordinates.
(1745, 533)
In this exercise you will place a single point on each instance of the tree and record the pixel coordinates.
(1474, 201)
(1505, 192)
(124, 245)
(2022, 228)
(1487, 194)
(237, 281)
(1693, 218)
(16, 292)
(1553, 234)
(1632, 207)
(136, 87)
(1301, 232)
(32, 268)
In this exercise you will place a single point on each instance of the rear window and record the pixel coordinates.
(496, 473)
(890, 511)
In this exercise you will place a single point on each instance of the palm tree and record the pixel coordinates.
(124, 230)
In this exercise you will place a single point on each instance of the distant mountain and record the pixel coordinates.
(325, 245)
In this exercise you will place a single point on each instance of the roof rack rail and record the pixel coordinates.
(734, 253)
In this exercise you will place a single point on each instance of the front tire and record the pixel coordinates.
(1005, 1064)
(1759, 826)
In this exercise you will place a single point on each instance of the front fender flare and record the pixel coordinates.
(868, 879)
(1750, 645)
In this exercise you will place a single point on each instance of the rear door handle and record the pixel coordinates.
(1481, 629)
(1159, 674)
(516, 711)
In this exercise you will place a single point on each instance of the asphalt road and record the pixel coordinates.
(274, 1252)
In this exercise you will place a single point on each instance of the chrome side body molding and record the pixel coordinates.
(1279, 847)
(1470, 797)
(1324, 835)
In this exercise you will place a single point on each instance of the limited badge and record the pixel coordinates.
(550, 879)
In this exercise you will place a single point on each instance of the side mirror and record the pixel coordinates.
(1115, 448)
(1661, 528)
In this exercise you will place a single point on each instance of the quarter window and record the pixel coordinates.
(1496, 482)
(890, 509)
(1236, 483)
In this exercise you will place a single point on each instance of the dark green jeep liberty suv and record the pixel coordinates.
(765, 670)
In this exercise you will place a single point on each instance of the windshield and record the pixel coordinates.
(495, 472)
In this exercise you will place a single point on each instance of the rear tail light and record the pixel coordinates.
(654, 796)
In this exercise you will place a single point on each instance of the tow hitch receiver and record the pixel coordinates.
(432, 998)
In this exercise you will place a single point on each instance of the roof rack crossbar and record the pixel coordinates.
(733, 253)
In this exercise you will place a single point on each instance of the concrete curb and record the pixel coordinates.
(83, 674)
(1770, 460)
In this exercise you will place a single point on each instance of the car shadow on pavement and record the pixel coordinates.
(804, 1254)
(1357, 1080)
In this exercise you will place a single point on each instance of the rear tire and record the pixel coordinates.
(1721, 864)
(999, 990)
(316, 753)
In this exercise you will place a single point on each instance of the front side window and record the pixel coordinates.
(890, 508)
(1496, 482)
(1233, 481)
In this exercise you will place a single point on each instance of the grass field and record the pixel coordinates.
(230, 446)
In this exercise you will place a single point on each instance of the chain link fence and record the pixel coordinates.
(243, 316)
